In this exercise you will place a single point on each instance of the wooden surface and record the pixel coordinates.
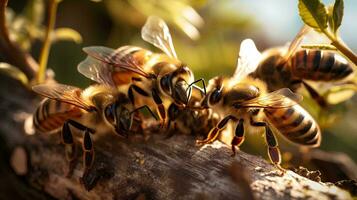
(151, 168)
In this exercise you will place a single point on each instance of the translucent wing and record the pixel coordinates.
(64, 93)
(248, 59)
(156, 32)
(119, 59)
(96, 71)
(294, 45)
(278, 99)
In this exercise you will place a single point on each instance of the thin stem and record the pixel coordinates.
(335, 41)
(345, 50)
(45, 51)
(3, 28)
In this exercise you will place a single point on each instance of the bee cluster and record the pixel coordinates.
(261, 93)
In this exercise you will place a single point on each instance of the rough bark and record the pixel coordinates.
(150, 168)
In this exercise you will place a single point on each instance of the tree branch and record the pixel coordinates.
(11, 52)
(153, 168)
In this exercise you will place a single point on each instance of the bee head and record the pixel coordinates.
(214, 95)
(181, 89)
(182, 92)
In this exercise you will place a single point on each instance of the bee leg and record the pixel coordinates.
(70, 147)
(88, 152)
(147, 108)
(315, 95)
(160, 107)
(170, 133)
(138, 90)
(137, 123)
(169, 121)
(273, 149)
(173, 113)
(67, 140)
(139, 116)
(213, 134)
(238, 138)
(131, 95)
(79, 126)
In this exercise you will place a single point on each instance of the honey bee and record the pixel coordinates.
(159, 76)
(189, 120)
(97, 109)
(291, 67)
(245, 101)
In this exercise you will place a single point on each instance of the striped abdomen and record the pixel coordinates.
(51, 114)
(319, 65)
(296, 124)
(274, 74)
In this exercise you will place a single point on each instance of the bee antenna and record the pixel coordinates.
(195, 86)
(192, 85)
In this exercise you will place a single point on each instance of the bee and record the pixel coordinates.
(161, 77)
(291, 67)
(97, 109)
(189, 120)
(245, 101)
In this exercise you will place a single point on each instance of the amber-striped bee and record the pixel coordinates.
(246, 102)
(291, 67)
(161, 77)
(97, 109)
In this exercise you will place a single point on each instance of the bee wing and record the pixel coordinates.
(156, 32)
(278, 99)
(96, 71)
(64, 93)
(248, 59)
(294, 45)
(119, 59)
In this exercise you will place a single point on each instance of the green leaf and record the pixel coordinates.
(13, 72)
(313, 13)
(66, 34)
(337, 15)
(330, 18)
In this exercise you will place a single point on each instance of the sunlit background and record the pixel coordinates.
(211, 47)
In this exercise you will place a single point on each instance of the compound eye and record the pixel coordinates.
(215, 96)
(109, 113)
(165, 83)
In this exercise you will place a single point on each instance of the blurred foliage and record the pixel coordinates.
(27, 26)
(219, 36)
(13, 72)
(206, 35)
